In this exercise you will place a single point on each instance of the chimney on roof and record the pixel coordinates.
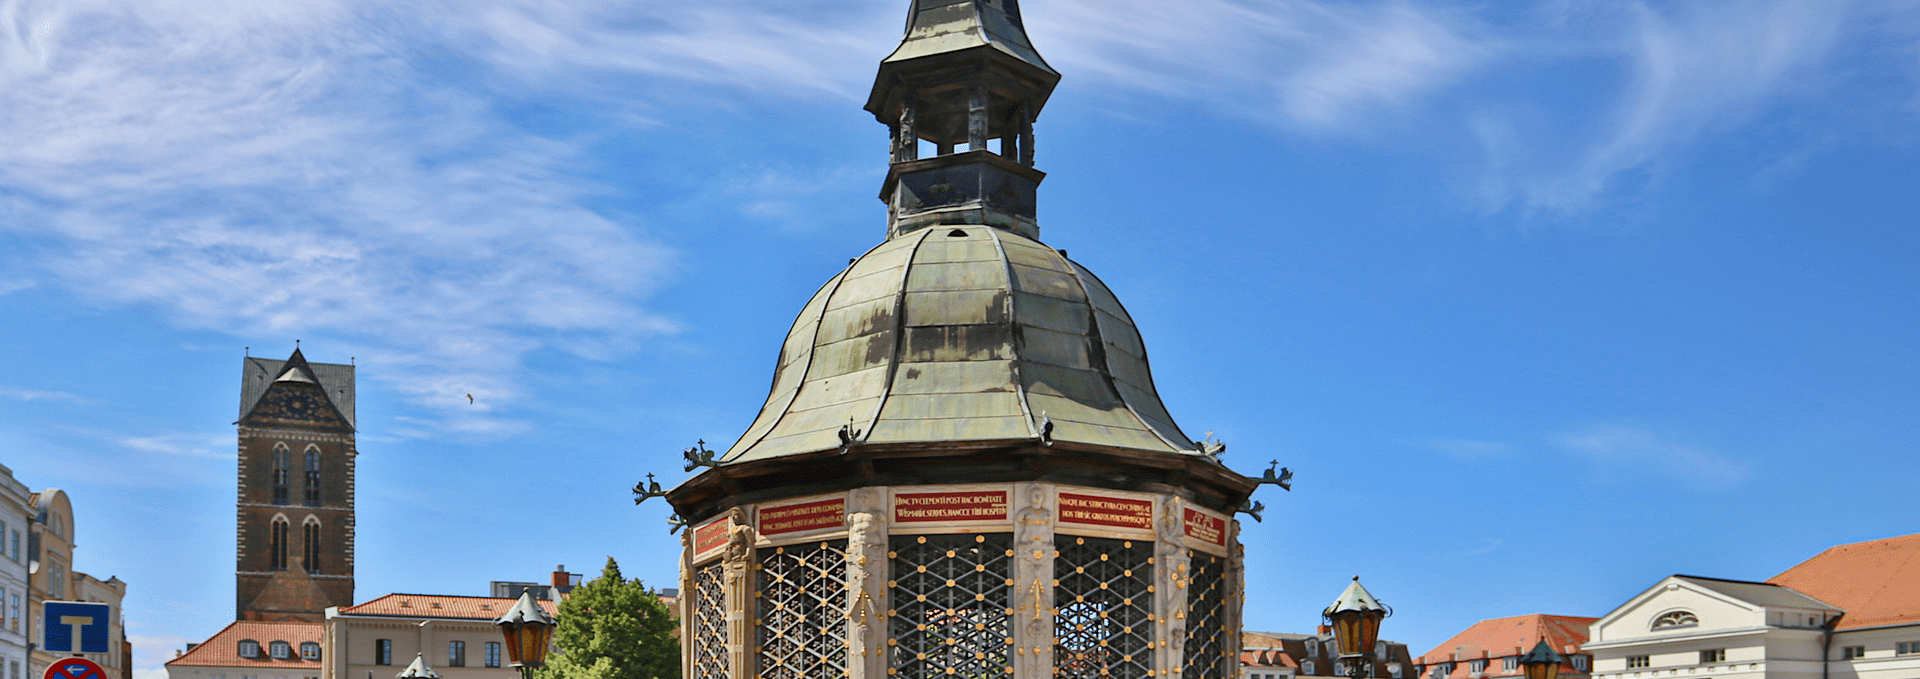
(1324, 630)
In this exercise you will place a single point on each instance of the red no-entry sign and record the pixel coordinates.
(75, 668)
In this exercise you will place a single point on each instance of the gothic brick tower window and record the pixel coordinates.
(279, 545)
(279, 476)
(310, 545)
(313, 477)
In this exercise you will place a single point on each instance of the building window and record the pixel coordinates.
(249, 648)
(456, 654)
(1398, 670)
(1713, 655)
(309, 650)
(1306, 667)
(1902, 648)
(16, 545)
(1477, 667)
(1851, 652)
(310, 545)
(279, 476)
(313, 477)
(280, 650)
(383, 651)
(1103, 609)
(1510, 663)
(493, 654)
(277, 551)
(1673, 619)
(1637, 661)
(1579, 663)
(953, 594)
(57, 581)
(13, 610)
(802, 598)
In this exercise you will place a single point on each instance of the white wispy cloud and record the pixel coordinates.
(39, 395)
(287, 169)
(1471, 448)
(1644, 451)
(1695, 69)
(1310, 66)
(213, 446)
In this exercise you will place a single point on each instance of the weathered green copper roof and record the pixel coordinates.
(961, 333)
(1355, 598)
(943, 26)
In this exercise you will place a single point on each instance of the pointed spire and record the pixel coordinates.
(418, 669)
(296, 369)
(1355, 598)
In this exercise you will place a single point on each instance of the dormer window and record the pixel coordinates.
(1477, 667)
(309, 650)
(280, 650)
(1672, 619)
(249, 648)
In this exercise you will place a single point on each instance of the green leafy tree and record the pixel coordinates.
(613, 628)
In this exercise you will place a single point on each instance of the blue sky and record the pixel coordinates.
(1541, 301)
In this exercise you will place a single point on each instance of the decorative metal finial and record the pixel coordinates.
(698, 456)
(646, 491)
(1253, 508)
(1284, 479)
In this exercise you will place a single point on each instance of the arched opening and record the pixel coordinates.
(313, 476)
(310, 544)
(280, 474)
(277, 551)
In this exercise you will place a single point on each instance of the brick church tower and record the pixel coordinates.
(295, 506)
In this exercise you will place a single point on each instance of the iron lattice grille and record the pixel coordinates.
(802, 616)
(710, 622)
(952, 606)
(1103, 608)
(1206, 618)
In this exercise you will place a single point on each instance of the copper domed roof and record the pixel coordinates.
(961, 333)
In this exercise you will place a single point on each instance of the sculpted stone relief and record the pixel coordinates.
(1170, 554)
(1033, 573)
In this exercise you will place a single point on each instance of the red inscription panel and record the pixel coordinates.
(1206, 528)
(984, 505)
(711, 536)
(1106, 511)
(803, 516)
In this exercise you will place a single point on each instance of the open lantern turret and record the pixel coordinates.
(963, 468)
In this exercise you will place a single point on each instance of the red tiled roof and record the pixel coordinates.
(223, 650)
(1501, 637)
(1876, 582)
(440, 606)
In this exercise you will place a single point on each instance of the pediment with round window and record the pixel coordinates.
(1672, 619)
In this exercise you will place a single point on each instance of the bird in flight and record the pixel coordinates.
(469, 398)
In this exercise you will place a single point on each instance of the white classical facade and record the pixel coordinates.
(15, 513)
(1851, 612)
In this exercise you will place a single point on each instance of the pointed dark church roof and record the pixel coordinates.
(257, 374)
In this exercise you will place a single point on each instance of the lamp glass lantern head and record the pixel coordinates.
(1355, 618)
(1541, 662)
(528, 630)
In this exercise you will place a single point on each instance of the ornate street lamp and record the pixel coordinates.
(528, 629)
(1355, 618)
(1541, 662)
(418, 669)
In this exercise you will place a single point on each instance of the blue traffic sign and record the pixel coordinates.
(75, 627)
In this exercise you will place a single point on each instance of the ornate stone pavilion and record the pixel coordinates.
(963, 468)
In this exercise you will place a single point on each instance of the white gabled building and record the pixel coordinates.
(1851, 612)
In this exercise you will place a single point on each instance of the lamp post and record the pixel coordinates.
(418, 669)
(1541, 662)
(528, 629)
(1355, 618)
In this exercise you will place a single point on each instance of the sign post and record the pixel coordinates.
(74, 627)
(74, 668)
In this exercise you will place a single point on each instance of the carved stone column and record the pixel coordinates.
(1033, 611)
(977, 120)
(687, 598)
(1170, 579)
(1236, 596)
(906, 138)
(1024, 120)
(867, 584)
(739, 583)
